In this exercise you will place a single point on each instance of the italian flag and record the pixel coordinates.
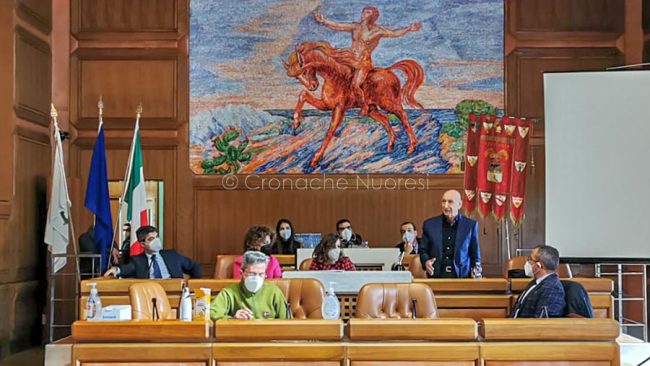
(136, 195)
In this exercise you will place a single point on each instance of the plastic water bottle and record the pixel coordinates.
(478, 271)
(94, 304)
(185, 311)
(331, 309)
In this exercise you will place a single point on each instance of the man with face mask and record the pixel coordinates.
(349, 239)
(155, 262)
(251, 298)
(544, 296)
(410, 240)
(449, 246)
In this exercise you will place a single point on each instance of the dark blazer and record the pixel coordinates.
(577, 300)
(547, 294)
(466, 251)
(176, 263)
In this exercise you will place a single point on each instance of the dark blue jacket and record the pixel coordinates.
(466, 250)
(177, 265)
(548, 294)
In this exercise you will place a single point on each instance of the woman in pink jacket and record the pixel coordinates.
(256, 238)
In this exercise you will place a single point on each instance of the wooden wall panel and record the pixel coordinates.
(36, 12)
(606, 16)
(6, 112)
(126, 15)
(33, 77)
(222, 217)
(126, 83)
(525, 68)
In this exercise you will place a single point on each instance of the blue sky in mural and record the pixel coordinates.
(452, 30)
(237, 80)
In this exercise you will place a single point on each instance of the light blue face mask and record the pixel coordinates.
(408, 236)
(285, 233)
(346, 234)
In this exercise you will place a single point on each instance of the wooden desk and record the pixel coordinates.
(116, 291)
(592, 285)
(465, 285)
(413, 329)
(263, 330)
(279, 354)
(557, 329)
(141, 331)
(414, 354)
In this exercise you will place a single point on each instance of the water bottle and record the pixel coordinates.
(331, 308)
(478, 271)
(185, 311)
(94, 304)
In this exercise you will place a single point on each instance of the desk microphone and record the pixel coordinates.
(289, 314)
(154, 310)
(414, 312)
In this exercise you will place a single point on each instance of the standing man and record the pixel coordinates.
(449, 246)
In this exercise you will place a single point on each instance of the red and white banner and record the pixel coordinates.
(496, 159)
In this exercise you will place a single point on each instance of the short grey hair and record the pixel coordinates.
(549, 256)
(252, 257)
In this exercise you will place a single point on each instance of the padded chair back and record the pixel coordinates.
(415, 267)
(577, 300)
(141, 295)
(305, 264)
(518, 262)
(395, 301)
(305, 296)
(223, 267)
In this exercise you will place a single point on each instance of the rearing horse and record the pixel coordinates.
(382, 89)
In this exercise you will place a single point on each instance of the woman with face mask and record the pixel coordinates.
(328, 255)
(251, 298)
(285, 239)
(257, 238)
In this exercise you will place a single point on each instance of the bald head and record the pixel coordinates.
(451, 203)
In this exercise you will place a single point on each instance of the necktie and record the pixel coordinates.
(156, 267)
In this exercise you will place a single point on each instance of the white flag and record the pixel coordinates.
(58, 214)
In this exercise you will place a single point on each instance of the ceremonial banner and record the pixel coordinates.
(496, 159)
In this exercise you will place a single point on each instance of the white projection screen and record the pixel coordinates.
(597, 131)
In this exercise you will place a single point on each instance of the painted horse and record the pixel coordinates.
(382, 89)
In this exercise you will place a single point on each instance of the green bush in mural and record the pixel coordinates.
(455, 133)
(230, 154)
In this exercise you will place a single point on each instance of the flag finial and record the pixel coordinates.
(100, 105)
(53, 112)
(139, 111)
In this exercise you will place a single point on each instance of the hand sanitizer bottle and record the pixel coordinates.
(94, 304)
(331, 309)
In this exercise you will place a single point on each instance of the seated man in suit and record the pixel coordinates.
(544, 296)
(449, 246)
(251, 298)
(349, 239)
(410, 240)
(155, 262)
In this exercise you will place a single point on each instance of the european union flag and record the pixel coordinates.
(98, 200)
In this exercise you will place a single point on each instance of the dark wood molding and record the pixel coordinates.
(39, 18)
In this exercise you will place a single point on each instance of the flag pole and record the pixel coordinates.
(127, 177)
(57, 136)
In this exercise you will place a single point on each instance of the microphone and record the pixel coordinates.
(154, 310)
(414, 312)
(289, 313)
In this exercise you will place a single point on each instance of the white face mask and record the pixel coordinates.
(408, 236)
(334, 254)
(528, 268)
(346, 234)
(155, 245)
(253, 283)
(285, 233)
